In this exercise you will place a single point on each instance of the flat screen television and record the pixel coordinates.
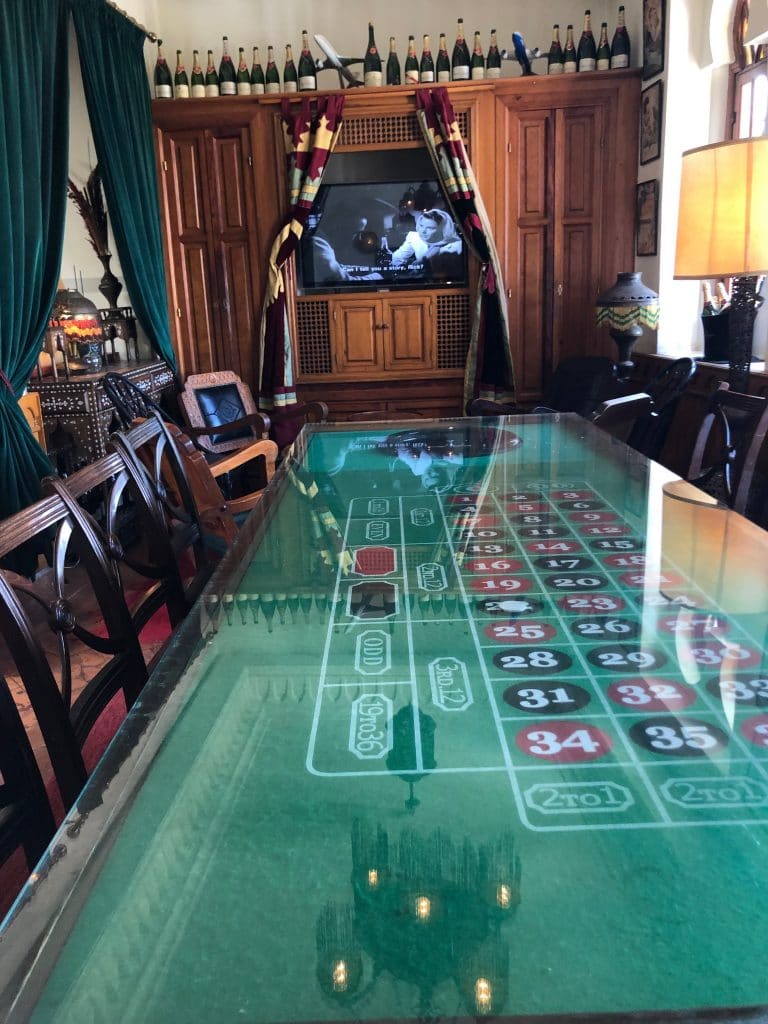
(381, 235)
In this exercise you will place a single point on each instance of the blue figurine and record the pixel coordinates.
(522, 54)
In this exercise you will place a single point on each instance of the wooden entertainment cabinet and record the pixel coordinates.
(555, 161)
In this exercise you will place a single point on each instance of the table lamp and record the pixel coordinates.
(722, 231)
(626, 307)
(79, 320)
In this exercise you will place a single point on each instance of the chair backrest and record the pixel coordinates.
(621, 412)
(130, 401)
(211, 400)
(580, 383)
(25, 814)
(45, 636)
(666, 389)
(288, 421)
(727, 447)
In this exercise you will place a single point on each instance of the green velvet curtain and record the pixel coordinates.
(34, 132)
(117, 93)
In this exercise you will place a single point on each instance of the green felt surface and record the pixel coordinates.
(350, 818)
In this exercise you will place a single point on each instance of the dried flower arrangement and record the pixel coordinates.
(91, 207)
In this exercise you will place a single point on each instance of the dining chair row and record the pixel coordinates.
(92, 592)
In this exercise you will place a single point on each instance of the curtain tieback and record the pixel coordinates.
(5, 381)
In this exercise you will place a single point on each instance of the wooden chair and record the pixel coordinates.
(45, 637)
(579, 384)
(220, 412)
(727, 447)
(175, 466)
(666, 389)
(485, 407)
(26, 820)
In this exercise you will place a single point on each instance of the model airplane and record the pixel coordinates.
(339, 63)
(522, 54)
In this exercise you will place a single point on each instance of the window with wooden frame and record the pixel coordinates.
(748, 95)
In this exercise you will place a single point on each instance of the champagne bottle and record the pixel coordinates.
(477, 64)
(460, 56)
(555, 58)
(227, 76)
(163, 87)
(372, 64)
(443, 67)
(257, 74)
(723, 298)
(211, 78)
(411, 64)
(383, 254)
(493, 58)
(198, 81)
(290, 78)
(427, 65)
(180, 80)
(620, 48)
(393, 64)
(603, 49)
(272, 78)
(242, 79)
(707, 306)
(586, 54)
(307, 71)
(570, 62)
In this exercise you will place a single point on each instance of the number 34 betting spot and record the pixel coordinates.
(565, 742)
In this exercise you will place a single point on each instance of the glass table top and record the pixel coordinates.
(472, 721)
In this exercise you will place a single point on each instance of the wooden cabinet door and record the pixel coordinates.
(410, 339)
(208, 207)
(356, 336)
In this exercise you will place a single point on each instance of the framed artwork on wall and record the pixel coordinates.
(654, 14)
(650, 123)
(647, 217)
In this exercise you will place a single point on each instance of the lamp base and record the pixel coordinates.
(740, 331)
(625, 342)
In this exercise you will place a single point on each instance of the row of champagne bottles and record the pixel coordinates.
(231, 80)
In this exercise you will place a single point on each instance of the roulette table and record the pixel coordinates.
(471, 722)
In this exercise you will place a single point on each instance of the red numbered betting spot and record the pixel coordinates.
(592, 603)
(603, 530)
(375, 561)
(527, 506)
(545, 547)
(592, 517)
(494, 566)
(651, 694)
(731, 656)
(694, 624)
(571, 495)
(663, 580)
(520, 631)
(501, 585)
(629, 561)
(756, 730)
(475, 522)
(565, 742)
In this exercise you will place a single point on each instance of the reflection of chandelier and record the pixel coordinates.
(426, 910)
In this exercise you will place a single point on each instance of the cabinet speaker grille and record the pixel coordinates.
(314, 337)
(384, 128)
(454, 325)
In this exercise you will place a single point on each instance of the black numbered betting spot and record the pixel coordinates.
(533, 518)
(580, 506)
(606, 627)
(564, 563)
(548, 698)
(616, 544)
(509, 606)
(576, 581)
(678, 737)
(532, 661)
(627, 658)
(742, 688)
(543, 531)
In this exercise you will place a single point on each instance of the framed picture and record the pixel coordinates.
(647, 219)
(654, 14)
(650, 123)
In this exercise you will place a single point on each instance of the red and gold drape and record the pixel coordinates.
(488, 372)
(310, 132)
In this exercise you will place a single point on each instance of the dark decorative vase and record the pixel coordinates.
(109, 286)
